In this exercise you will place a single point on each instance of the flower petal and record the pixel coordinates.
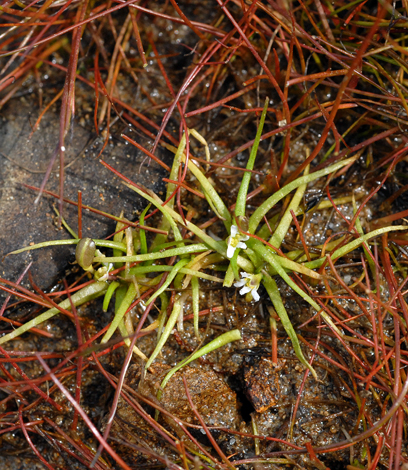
(255, 295)
(245, 290)
(240, 283)
(230, 251)
(234, 230)
(241, 245)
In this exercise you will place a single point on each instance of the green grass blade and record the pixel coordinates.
(195, 300)
(177, 309)
(111, 289)
(243, 189)
(142, 233)
(286, 263)
(229, 276)
(119, 314)
(184, 250)
(209, 190)
(284, 224)
(188, 271)
(125, 333)
(229, 337)
(161, 268)
(163, 209)
(171, 187)
(274, 295)
(164, 298)
(169, 279)
(219, 247)
(265, 207)
(367, 251)
(174, 173)
(65, 224)
(118, 237)
(267, 255)
(99, 243)
(355, 244)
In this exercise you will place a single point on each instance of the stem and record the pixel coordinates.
(153, 256)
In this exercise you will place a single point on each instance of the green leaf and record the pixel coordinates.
(177, 309)
(354, 244)
(265, 207)
(274, 295)
(286, 220)
(243, 189)
(100, 243)
(142, 232)
(229, 337)
(267, 256)
(111, 289)
(153, 256)
(169, 279)
(195, 299)
(119, 314)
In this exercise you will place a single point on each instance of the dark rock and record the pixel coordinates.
(24, 161)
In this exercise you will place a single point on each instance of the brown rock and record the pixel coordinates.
(215, 402)
(262, 382)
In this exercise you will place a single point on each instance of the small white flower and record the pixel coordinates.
(250, 284)
(235, 241)
(102, 274)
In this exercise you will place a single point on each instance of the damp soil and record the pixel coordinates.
(237, 391)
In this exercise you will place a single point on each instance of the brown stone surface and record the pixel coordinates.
(215, 402)
(262, 382)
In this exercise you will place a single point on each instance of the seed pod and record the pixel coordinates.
(85, 252)
(243, 223)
